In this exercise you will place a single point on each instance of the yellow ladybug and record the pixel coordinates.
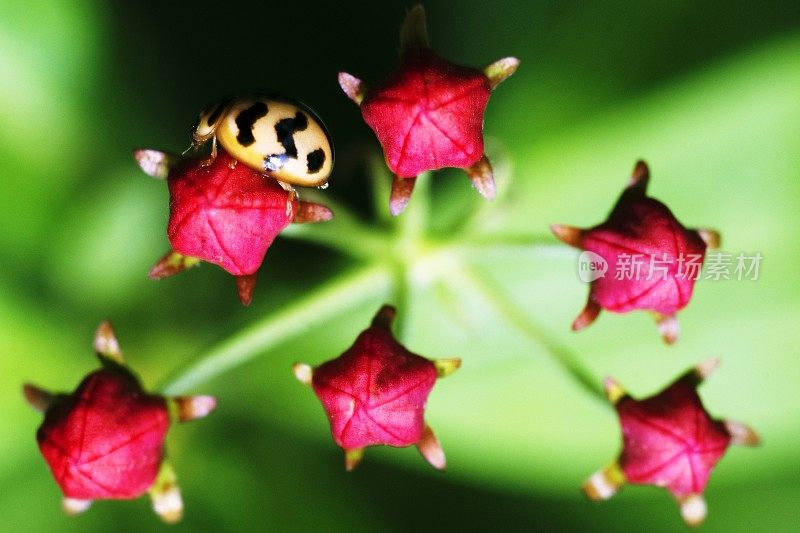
(272, 134)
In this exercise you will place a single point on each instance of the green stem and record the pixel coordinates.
(400, 300)
(525, 325)
(324, 303)
(381, 182)
(509, 240)
(345, 233)
(411, 224)
(410, 229)
(474, 221)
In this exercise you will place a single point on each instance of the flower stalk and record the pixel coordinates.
(338, 295)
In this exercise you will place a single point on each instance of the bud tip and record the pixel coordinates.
(194, 407)
(693, 509)
(106, 344)
(352, 87)
(482, 177)
(604, 483)
(401, 194)
(614, 391)
(154, 162)
(431, 449)
(707, 367)
(569, 235)
(445, 367)
(352, 458)
(73, 506)
(669, 327)
(742, 434)
(168, 504)
(303, 372)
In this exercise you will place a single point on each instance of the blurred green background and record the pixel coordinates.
(707, 92)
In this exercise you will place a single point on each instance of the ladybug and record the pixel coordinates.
(273, 134)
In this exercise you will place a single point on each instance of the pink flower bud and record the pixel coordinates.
(375, 393)
(650, 261)
(669, 440)
(226, 213)
(223, 212)
(428, 114)
(106, 439)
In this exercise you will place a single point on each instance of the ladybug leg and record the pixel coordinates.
(288, 188)
(210, 159)
(290, 198)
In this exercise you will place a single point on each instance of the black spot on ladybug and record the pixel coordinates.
(246, 120)
(286, 128)
(314, 160)
(214, 116)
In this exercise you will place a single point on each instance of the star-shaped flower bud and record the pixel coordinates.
(375, 393)
(428, 114)
(223, 213)
(669, 440)
(106, 439)
(641, 257)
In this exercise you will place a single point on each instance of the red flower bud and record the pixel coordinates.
(375, 393)
(428, 114)
(650, 261)
(669, 440)
(106, 439)
(224, 213)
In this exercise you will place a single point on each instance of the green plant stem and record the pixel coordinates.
(411, 224)
(466, 280)
(509, 240)
(345, 233)
(325, 302)
(410, 236)
(381, 182)
(401, 296)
